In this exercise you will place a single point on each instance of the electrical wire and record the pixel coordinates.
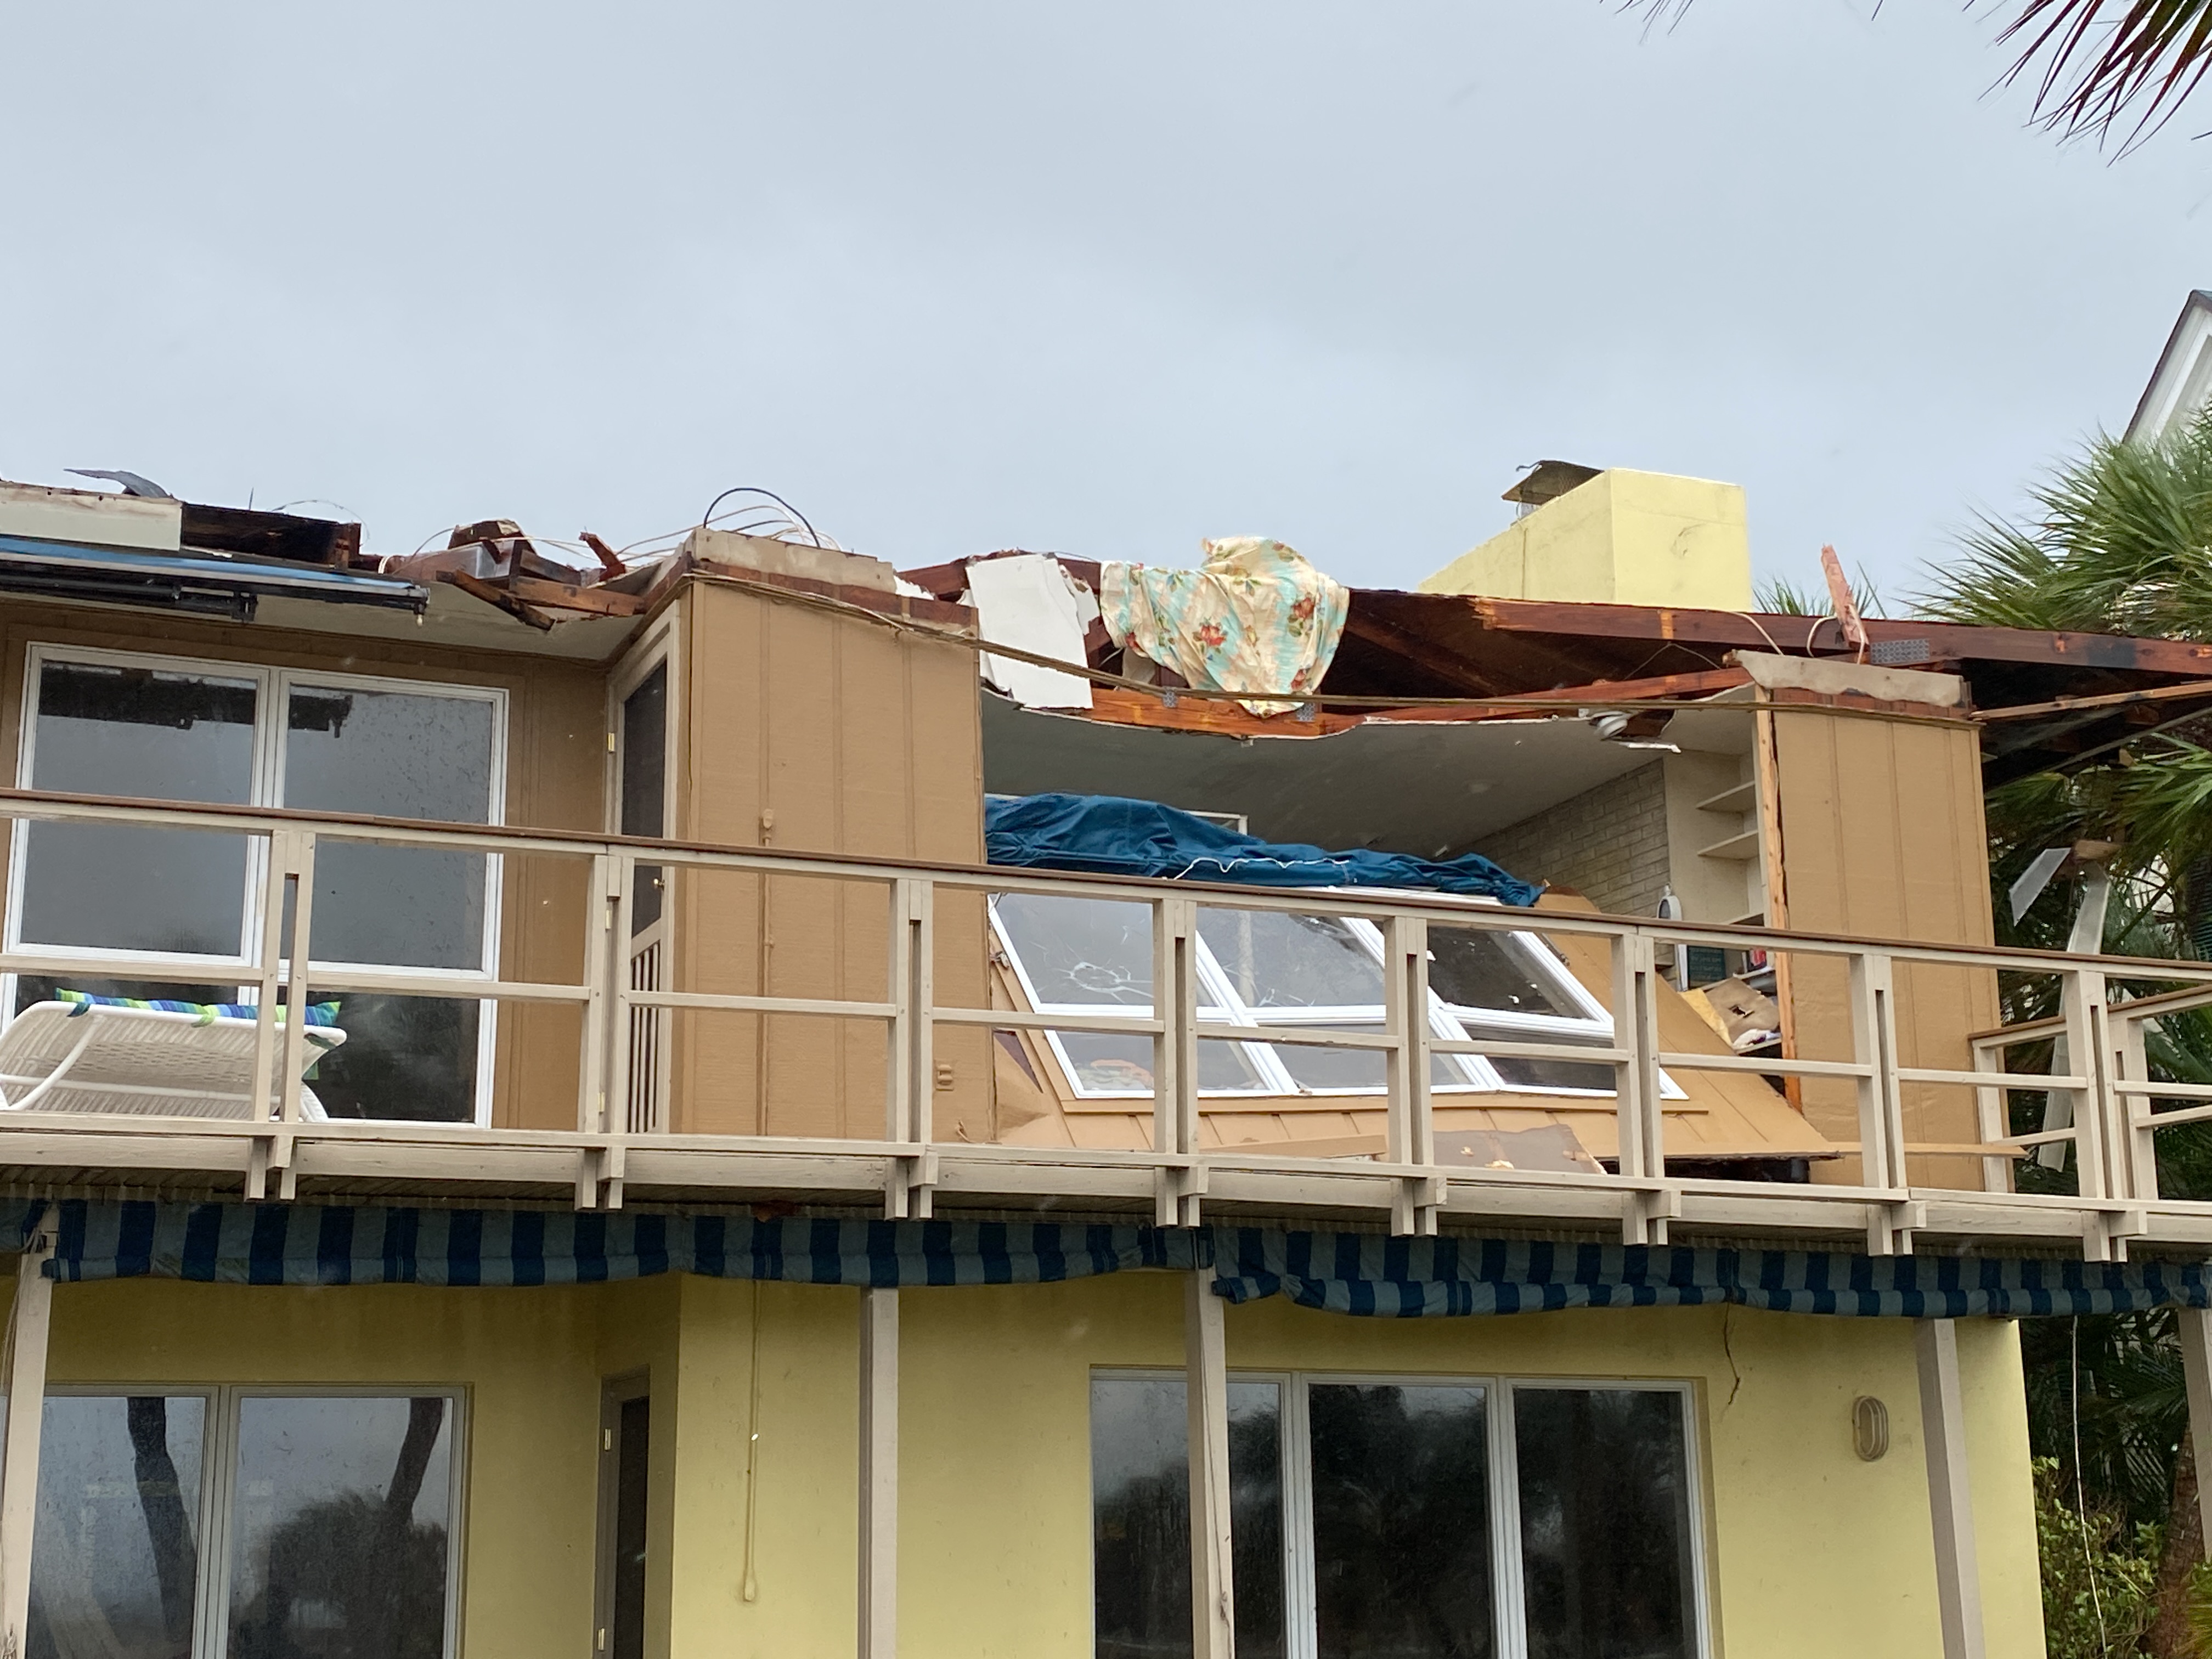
(707, 517)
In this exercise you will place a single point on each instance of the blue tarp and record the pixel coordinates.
(1111, 836)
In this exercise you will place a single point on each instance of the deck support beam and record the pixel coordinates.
(29, 1319)
(1950, 1494)
(2194, 1326)
(1212, 1588)
(879, 1339)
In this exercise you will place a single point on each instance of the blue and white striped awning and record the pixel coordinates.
(1359, 1274)
(1421, 1278)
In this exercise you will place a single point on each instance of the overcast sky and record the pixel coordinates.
(1103, 279)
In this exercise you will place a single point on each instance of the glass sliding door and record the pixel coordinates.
(1605, 1522)
(1428, 1518)
(115, 1565)
(246, 1525)
(339, 1527)
(1140, 1516)
(1401, 1535)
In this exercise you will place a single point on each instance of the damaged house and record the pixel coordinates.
(743, 1101)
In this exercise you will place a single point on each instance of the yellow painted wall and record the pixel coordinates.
(994, 1401)
(1623, 537)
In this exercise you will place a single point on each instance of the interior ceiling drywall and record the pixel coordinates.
(1430, 788)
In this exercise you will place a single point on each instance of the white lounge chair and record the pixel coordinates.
(148, 1063)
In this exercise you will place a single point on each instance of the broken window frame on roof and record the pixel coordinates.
(1274, 1076)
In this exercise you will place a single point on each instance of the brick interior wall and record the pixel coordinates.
(1609, 843)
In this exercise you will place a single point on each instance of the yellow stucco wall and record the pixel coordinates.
(1812, 1552)
(1623, 537)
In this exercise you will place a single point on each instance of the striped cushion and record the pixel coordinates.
(318, 1013)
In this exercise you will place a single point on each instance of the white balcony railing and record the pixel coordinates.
(621, 1140)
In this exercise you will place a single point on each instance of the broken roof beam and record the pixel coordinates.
(1793, 635)
(476, 587)
(1453, 668)
(571, 596)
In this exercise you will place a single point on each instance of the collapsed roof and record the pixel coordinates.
(2046, 700)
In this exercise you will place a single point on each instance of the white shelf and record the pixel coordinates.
(1736, 849)
(1738, 799)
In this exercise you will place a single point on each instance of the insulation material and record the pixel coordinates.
(1028, 601)
(1254, 617)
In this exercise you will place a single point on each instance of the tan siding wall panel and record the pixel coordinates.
(1883, 836)
(812, 731)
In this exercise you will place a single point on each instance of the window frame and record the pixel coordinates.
(1508, 1611)
(1450, 1022)
(273, 686)
(219, 1444)
(647, 954)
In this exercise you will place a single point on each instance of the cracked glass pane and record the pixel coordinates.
(1277, 960)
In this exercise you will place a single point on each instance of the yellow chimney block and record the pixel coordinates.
(1623, 537)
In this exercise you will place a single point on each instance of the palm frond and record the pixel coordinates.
(2097, 62)
(2120, 542)
(1780, 596)
(2094, 64)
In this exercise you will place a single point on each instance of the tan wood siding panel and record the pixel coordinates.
(1883, 836)
(818, 732)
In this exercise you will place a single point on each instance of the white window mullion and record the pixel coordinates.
(219, 1484)
(1216, 990)
(1301, 1633)
(1505, 1526)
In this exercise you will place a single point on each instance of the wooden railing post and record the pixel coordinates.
(606, 1017)
(270, 1154)
(1991, 1118)
(1637, 1098)
(1411, 1120)
(2132, 1113)
(2099, 1151)
(297, 949)
(908, 1109)
(1174, 1061)
(1881, 1105)
(604, 1080)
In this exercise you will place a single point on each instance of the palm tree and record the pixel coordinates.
(2121, 542)
(2099, 66)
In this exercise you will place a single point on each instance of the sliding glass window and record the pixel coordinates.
(116, 723)
(1424, 1518)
